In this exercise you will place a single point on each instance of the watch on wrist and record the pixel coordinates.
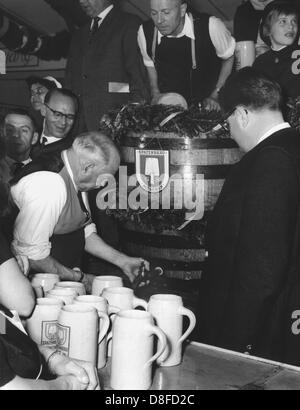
(78, 270)
(81, 276)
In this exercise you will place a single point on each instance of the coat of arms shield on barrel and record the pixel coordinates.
(152, 169)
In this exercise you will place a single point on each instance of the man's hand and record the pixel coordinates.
(87, 280)
(84, 372)
(155, 97)
(211, 104)
(132, 266)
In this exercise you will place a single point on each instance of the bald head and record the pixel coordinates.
(93, 154)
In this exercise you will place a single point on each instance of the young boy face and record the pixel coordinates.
(283, 30)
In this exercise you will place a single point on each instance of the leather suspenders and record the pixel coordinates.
(193, 44)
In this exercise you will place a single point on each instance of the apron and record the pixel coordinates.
(68, 248)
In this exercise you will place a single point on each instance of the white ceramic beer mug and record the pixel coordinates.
(66, 295)
(132, 350)
(46, 280)
(77, 286)
(123, 298)
(42, 325)
(101, 305)
(168, 311)
(245, 54)
(102, 282)
(78, 333)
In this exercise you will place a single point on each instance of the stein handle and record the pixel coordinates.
(154, 330)
(139, 302)
(39, 291)
(186, 312)
(109, 336)
(106, 323)
(112, 310)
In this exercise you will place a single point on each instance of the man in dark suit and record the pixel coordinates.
(105, 70)
(104, 65)
(252, 231)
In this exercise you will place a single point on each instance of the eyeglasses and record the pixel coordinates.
(60, 115)
(38, 91)
(224, 122)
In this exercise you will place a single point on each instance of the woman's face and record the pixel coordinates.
(38, 93)
(283, 31)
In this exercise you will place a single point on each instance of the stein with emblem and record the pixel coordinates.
(42, 325)
(78, 333)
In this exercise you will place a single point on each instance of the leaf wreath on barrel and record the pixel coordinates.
(193, 123)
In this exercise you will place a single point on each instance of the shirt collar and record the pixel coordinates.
(188, 30)
(68, 167)
(281, 48)
(105, 12)
(272, 131)
(48, 139)
(11, 161)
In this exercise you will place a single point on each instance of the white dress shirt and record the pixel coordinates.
(220, 36)
(41, 197)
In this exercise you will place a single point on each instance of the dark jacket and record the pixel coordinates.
(250, 237)
(95, 64)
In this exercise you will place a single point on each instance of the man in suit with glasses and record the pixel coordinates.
(253, 230)
(59, 110)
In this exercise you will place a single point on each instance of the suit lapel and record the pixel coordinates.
(107, 28)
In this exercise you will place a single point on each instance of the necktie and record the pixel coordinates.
(95, 25)
(17, 167)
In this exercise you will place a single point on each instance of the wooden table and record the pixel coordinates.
(209, 368)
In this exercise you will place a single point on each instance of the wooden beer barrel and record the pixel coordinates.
(180, 253)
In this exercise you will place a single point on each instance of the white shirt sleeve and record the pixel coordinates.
(143, 47)
(221, 38)
(40, 198)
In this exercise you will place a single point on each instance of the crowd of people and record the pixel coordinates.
(53, 157)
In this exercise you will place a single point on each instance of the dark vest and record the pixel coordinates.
(173, 61)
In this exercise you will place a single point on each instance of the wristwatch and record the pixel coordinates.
(81, 274)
